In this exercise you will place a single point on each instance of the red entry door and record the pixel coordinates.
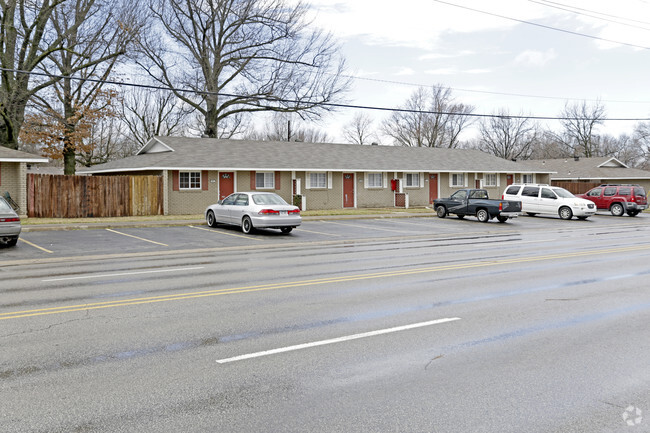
(348, 189)
(433, 187)
(226, 184)
(510, 179)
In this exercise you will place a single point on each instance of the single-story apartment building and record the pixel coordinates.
(199, 171)
(13, 174)
(600, 170)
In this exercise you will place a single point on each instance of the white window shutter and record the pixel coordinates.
(329, 180)
(498, 179)
(307, 180)
(465, 176)
(385, 178)
(421, 180)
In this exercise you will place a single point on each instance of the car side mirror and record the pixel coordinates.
(220, 202)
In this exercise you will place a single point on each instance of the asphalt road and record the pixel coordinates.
(369, 325)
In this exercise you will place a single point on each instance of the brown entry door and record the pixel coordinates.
(226, 184)
(348, 189)
(433, 187)
(510, 179)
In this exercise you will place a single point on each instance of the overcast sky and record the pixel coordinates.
(492, 62)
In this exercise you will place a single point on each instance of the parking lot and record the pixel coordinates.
(48, 244)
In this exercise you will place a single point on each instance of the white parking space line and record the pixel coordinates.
(35, 246)
(422, 224)
(219, 232)
(137, 237)
(369, 227)
(122, 274)
(336, 340)
(318, 233)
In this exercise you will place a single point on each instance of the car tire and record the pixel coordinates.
(617, 209)
(211, 219)
(531, 213)
(246, 225)
(482, 215)
(441, 211)
(286, 230)
(565, 213)
(12, 242)
(460, 216)
(502, 219)
(633, 213)
(582, 218)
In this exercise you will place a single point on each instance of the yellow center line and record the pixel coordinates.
(305, 283)
(137, 237)
(35, 246)
(228, 234)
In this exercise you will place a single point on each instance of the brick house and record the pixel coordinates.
(13, 174)
(199, 171)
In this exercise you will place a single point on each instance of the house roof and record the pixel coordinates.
(598, 169)
(11, 155)
(182, 153)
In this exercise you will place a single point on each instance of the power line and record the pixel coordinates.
(542, 25)
(290, 101)
(573, 10)
(599, 13)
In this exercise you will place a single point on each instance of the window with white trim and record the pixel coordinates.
(317, 180)
(413, 180)
(264, 180)
(457, 179)
(189, 180)
(527, 178)
(375, 180)
(490, 179)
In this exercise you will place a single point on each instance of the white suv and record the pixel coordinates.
(544, 199)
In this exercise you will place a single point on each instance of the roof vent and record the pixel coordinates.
(374, 143)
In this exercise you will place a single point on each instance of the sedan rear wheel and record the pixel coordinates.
(286, 229)
(617, 209)
(246, 225)
(482, 215)
(210, 219)
(566, 213)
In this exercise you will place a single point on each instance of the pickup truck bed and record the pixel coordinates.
(475, 202)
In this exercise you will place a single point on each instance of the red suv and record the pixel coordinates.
(618, 199)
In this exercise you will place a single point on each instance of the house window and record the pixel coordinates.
(527, 178)
(189, 180)
(457, 179)
(490, 179)
(318, 180)
(375, 180)
(412, 179)
(264, 180)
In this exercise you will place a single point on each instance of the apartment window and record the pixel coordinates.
(457, 179)
(412, 179)
(527, 178)
(189, 180)
(375, 180)
(490, 179)
(318, 180)
(265, 180)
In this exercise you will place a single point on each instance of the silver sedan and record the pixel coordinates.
(9, 224)
(251, 210)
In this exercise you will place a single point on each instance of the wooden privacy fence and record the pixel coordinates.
(576, 187)
(53, 196)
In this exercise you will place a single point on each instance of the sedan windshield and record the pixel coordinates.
(561, 192)
(268, 199)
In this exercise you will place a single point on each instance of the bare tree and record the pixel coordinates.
(235, 57)
(283, 127)
(430, 118)
(148, 113)
(580, 122)
(358, 130)
(94, 36)
(507, 137)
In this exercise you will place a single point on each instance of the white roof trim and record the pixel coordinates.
(338, 170)
(24, 159)
(604, 164)
(154, 143)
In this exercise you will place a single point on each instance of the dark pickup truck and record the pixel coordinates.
(477, 203)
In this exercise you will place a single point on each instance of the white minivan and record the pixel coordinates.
(550, 200)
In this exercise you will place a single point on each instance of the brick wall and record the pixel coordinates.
(13, 178)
